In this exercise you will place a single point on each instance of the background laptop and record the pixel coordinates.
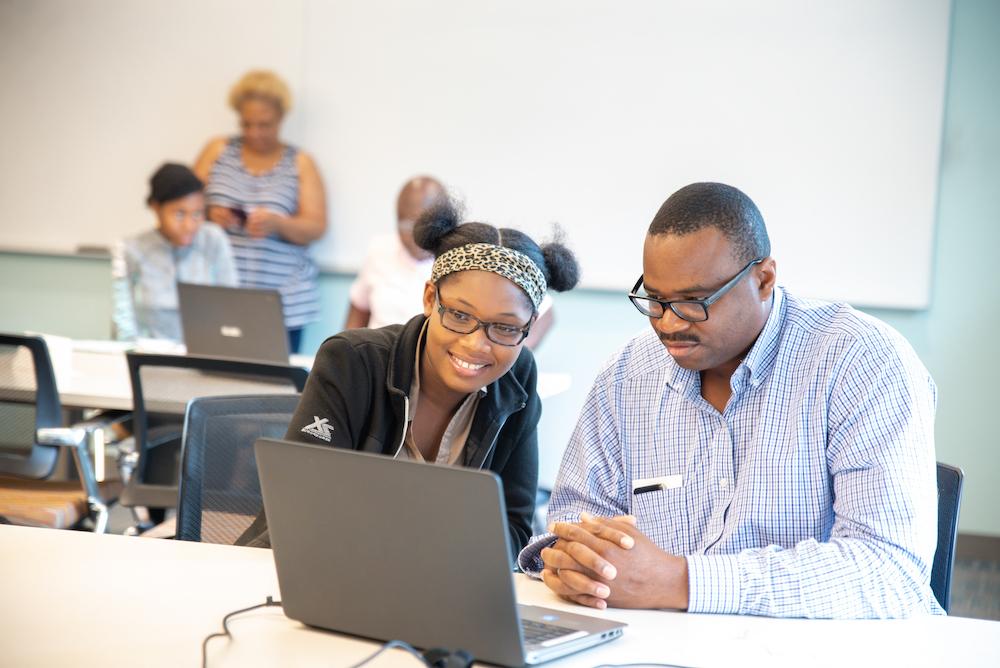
(233, 322)
(399, 550)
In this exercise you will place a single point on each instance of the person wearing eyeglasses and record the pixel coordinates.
(754, 452)
(455, 385)
(389, 287)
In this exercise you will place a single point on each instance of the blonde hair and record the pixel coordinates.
(261, 85)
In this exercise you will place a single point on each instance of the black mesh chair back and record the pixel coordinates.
(219, 489)
(31, 436)
(162, 385)
(29, 401)
(949, 484)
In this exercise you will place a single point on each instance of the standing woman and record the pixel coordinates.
(269, 197)
(455, 385)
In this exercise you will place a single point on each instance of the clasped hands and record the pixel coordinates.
(602, 561)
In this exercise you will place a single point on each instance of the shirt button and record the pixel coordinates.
(724, 483)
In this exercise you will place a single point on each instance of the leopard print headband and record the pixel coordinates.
(509, 263)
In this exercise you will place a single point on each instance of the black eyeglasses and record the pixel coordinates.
(463, 323)
(692, 310)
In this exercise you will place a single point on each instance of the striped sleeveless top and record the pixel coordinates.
(270, 262)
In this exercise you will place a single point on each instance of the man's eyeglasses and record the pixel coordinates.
(463, 323)
(692, 310)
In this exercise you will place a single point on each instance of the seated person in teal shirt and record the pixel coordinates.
(145, 269)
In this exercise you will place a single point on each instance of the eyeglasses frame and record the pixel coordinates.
(704, 303)
(480, 324)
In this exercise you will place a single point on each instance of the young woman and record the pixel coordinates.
(455, 385)
(145, 269)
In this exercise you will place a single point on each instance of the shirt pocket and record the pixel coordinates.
(662, 516)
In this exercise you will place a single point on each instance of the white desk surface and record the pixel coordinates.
(74, 598)
(94, 374)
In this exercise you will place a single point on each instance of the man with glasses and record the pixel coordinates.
(754, 453)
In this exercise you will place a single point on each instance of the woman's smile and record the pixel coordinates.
(466, 367)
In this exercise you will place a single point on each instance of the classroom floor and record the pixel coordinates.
(975, 589)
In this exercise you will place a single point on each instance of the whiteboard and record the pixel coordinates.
(585, 113)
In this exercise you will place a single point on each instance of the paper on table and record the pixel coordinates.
(102, 346)
(61, 354)
(161, 346)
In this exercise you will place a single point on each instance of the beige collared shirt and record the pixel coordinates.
(455, 435)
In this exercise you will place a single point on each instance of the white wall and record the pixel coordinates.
(584, 112)
(98, 93)
(955, 336)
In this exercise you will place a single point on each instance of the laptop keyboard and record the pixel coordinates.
(537, 633)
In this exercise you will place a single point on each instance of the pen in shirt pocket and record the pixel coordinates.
(646, 485)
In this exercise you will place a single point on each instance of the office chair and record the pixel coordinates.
(162, 385)
(949, 485)
(31, 435)
(219, 492)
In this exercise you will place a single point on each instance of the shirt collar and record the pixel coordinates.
(415, 385)
(177, 251)
(760, 360)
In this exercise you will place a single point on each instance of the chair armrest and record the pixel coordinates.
(114, 424)
(68, 437)
(77, 438)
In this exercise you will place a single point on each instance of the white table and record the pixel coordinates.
(94, 374)
(73, 598)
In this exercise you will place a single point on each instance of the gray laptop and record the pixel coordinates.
(241, 323)
(399, 550)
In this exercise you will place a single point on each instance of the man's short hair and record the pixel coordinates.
(717, 205)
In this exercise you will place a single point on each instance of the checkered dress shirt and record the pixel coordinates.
(812, 494)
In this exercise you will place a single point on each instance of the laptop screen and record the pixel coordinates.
(392, 549)
(240, 323)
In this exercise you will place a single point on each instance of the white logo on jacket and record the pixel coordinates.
(319, 428)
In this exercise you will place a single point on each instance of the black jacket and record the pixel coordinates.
(360, 382)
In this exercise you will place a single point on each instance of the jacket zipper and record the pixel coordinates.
(406, 421)
(496, 436)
